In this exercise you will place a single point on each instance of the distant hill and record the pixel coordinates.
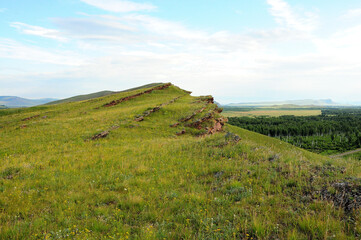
(289, 103)
(82, 97)
(98, 94)
(13, 101)
(2, 107)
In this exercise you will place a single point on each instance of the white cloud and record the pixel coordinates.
(15, 50)
(38, 31)
(155, 34)
(115, 52)
(353, 13)
(287, 17)
(120, 5)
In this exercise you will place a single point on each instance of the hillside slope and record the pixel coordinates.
(98, 94)
(157, 163)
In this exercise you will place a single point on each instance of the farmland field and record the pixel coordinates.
(271, 113)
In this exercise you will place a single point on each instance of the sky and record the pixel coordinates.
(235, 50)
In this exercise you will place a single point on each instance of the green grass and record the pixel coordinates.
(355, 156)
(144, 182)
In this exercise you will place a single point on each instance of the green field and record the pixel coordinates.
(271, 113)
(355, 156)
(148, 180)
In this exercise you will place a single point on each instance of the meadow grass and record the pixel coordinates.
(144, 182)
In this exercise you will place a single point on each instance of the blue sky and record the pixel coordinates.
(236, 50)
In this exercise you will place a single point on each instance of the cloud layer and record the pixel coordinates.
(119, 5)
(290, 60)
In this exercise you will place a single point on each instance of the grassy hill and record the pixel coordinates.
(98, 94)
(157, 163)
(12, 101)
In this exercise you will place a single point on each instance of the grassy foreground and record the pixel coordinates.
(143, 181)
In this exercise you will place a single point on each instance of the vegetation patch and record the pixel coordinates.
(336, 130)
(345, 194)
(228, 138)
(10, 173)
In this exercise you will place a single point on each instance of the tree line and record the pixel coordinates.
(335, 130)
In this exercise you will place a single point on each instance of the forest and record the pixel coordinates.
(335, 130)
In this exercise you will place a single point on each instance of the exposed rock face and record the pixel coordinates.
(140, 118)
(210, 100)
(207, 99)
(100, 135)
(32, 117)
(116, 102)
(198, 124)
(174, 125)
(104, 133)
(218, 125)
(181, 132)
(193, 115)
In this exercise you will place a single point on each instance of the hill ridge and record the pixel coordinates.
(84, 97)
(159, 166)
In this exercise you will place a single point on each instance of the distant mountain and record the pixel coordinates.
(355, 103)
(218, 104)
(12, 101)
(305, 102)
(97, 95)
(2, 107)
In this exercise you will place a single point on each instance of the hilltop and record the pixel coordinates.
(158, 163)
(12, 101)
(98, 94)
